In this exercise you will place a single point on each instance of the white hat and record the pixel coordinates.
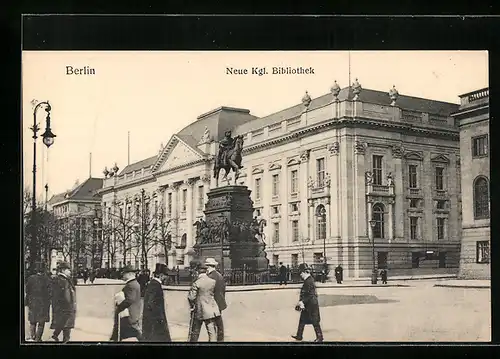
(211, 262)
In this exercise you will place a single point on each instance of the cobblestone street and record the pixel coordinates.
(417, 312)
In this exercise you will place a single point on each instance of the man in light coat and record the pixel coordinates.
(128, 308)
(204, 308)
(219, 294)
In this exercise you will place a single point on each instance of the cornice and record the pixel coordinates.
(350, 122)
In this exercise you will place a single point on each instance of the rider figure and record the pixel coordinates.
(224, 146)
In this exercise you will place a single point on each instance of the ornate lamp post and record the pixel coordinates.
(48, 140)
(374, 269)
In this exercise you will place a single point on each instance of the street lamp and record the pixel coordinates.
(374, 270)
(48, 140)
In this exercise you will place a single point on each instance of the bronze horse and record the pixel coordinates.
(233, 162)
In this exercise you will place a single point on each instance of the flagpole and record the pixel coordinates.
(128, 147)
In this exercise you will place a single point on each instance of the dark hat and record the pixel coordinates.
(63, 265)
(303, 267)
(128, 269)
(159, 269)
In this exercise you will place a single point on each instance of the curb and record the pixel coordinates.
(463, 286)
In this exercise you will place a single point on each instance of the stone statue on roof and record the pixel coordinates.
(205, 138)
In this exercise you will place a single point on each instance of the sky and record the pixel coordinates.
(153, 95)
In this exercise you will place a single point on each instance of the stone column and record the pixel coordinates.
(284, 208)
(304, 194)
(390, 219)
(398, 224)
(174, 215)
(311, 222)
(333, 212)
(206, 180)
(190, 207)
(359, 207)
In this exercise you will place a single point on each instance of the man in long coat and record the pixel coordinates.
(63, 303)
(38, 297)
(128, 310)
(154, 319)
(204, 308)
(219, 295)
(308, 305)
(339, 276)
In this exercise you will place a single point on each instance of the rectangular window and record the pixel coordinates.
(295, 207)
(377, 170)
(483, 252)
(276, 232)
(294, 181)
(276, 185)
(413, 227)
(440, 204)
(295, 260)
(295, 231)
(480, 146)
(184, 199)
(137, 213)
(440, 228)
(201, 197)
(412, 176)
(276, 209)
(439, 171)
(320, 171)
(276, 259)
(257, 188)
(169, 201)
(413, 203)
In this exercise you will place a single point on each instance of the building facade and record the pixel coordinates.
(473, 118)
(319, 172)
(78, 229)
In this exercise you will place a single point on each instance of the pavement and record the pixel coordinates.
(421, 311)
(465, 283)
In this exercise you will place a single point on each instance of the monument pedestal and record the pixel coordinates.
(229, 232)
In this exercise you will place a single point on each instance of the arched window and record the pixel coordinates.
(320, 222)
(481, 198)
(183, 241)
(378, 217)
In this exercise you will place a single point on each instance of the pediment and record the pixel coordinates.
(175, 154)
(274, 166)
(293, 162)
(441, 159)
(415, 156)
(257, 170)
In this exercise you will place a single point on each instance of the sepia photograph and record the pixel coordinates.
(255, 196)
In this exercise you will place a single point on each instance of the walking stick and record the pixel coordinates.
(118, 339)
(191, 322)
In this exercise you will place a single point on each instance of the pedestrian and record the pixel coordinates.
(308, 305)
(127, 321)
(85, 276)
(283, 274)
(383, 276)
(339, 276)
(219, 295)
(324, 272)
(38, 297)
(154, 318)
(92, 276)
(204, 308)
(63, 303)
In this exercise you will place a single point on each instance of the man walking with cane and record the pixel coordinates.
(203, 306)
(128, 308)
(219, 294)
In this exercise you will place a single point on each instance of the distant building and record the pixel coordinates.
(79, 227)
(318, 172)
(473, 117)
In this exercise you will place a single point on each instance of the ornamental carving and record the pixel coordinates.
(335, 90)
(304, 156)
(359, 148)
(219, 202)
(356, 89)
(306, 100)
(397, 151)
(368, 177)
(390, 179)
(310, 182)
(190, 181)
(274, 166)
(327, 180)
(334, 148)
(205, 178)
(176, 185)
(393, 94)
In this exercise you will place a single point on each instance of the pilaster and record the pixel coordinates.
(359, 208)
(398, 209)
(304, 194)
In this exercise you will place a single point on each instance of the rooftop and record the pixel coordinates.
(86, 191)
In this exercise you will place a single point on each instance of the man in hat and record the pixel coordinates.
(219, 294)
(204, 308)
(128, 308)
(308, 305)
(63, 303)
(154, 319)
(38, 296)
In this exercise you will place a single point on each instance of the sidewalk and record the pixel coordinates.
(465, 283)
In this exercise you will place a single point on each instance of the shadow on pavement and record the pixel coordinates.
(331, 300)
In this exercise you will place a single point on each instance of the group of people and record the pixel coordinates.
(41, 293)
(144, 319)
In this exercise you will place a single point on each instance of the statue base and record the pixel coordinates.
(236, 244)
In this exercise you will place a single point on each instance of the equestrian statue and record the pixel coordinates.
(229, 157)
